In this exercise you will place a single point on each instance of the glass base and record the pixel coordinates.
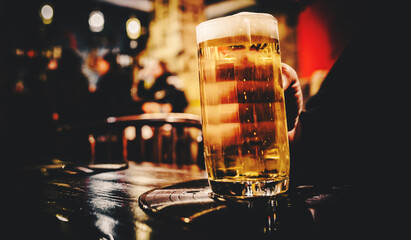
(248, 189)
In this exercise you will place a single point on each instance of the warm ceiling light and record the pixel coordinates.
(96, 21)
(46, 13)
(133, 27)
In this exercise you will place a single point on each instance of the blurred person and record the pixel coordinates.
(347, 124)
(70, 89)
(94, 66)
(159, 89)
(352, 133)
(113, 92)
(27, 135)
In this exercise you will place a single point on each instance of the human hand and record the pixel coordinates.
(293, 98)
(293, 95)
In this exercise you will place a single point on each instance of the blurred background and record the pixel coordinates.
(71, 62)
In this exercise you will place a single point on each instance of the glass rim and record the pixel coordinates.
(233, 25)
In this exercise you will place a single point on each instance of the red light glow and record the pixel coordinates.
(313, 44)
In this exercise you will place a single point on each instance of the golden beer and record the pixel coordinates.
(242, 101)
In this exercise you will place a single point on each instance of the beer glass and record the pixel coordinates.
(242, 104)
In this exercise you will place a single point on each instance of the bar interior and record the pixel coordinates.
(101, 134)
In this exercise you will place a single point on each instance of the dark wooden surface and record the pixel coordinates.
(105, 206)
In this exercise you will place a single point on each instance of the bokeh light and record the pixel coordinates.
(133, 27)
(46, 14)
(96, 21)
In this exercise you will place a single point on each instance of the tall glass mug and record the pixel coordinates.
(242, 102)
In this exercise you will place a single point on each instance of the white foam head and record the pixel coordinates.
(244, 23)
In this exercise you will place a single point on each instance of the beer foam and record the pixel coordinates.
(244, 23)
